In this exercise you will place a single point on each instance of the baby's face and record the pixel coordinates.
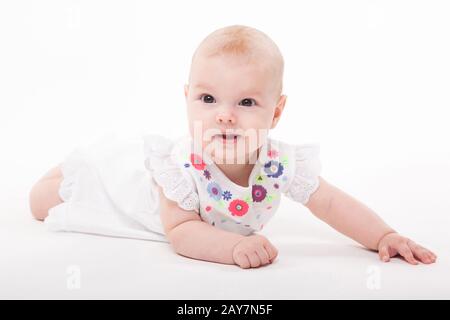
(227, 96)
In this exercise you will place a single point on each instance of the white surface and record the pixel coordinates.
(368, 80)
(314, 261)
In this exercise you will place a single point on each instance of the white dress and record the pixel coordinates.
(110, 186)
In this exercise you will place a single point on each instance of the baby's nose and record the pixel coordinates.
(225, 118)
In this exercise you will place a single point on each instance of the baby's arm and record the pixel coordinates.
(194, 238)
(355, 220)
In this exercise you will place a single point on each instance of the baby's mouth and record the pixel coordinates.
(227, 138)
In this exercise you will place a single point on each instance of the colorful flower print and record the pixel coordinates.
(208, 208)
(270, 198)
(272, 153)
(187, 165)
(258, 193)
(207, 174)
(214, 190)
(226, 195)
(273, 169)
(260, 178)
(276, 185)
(197, 162)
(238, 207)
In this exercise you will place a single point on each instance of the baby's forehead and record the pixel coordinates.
(250, 69)
(249, 88)
(225, 74)
(247, 75)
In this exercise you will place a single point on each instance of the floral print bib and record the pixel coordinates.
(281, 168)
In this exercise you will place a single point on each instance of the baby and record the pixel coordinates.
(210, 192)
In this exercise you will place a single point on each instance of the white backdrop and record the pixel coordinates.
(368, 80)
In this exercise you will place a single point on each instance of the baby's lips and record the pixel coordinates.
(228, 135)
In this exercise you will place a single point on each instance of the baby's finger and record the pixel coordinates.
(429, 252)
(421, 253)
(254, 260)
(384, 253)
(405, 251)
(272, 251)
(427, 257)
(263, 256)
(242, 261)
(432, 255)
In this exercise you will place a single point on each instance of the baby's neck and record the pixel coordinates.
(237, 173)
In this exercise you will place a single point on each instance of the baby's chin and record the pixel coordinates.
(232, 150)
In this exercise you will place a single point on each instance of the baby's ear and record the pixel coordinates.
(278, 110)
(186, 90)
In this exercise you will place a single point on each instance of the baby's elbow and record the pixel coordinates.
(174, 241)
(177, 235)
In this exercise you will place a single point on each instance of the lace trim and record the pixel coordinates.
(306, 176)
(175, 185)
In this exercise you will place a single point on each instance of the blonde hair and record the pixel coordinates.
(244, 42)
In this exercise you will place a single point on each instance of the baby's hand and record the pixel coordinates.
(254, 251)
(393, 243)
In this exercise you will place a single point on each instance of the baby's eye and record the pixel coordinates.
(206, 98)
(248, 102)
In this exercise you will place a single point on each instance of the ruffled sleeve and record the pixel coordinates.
(161, 161)
(306, 168)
